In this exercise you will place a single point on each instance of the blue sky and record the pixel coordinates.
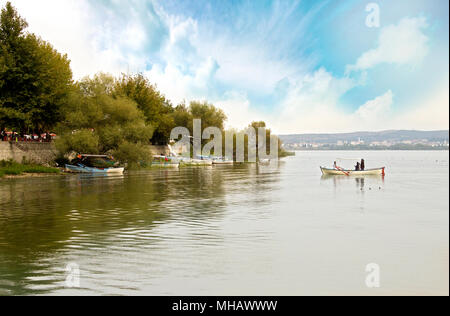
(302, 66)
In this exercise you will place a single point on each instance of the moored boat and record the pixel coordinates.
(100, 164)
(222, 161)
(80, 168)
(165, 162)
(198, 162)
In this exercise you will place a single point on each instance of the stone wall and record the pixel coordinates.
(45, 153)
(40, 153)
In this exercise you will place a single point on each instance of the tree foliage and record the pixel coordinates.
(98, 121)
(209, 114)
(35, 79)
(156, 108)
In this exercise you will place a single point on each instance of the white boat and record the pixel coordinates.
(101, 164)
(199, 162)
(223, 162)
(80, 168)
(343, 172)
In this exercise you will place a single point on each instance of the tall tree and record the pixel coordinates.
(35, 79)
(209, 114)
(98, 122)
(156, 108)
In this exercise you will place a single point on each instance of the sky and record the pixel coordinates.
(303, 66)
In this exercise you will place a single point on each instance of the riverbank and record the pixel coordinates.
(10, 169)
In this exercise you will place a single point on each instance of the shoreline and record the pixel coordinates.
(32, 175)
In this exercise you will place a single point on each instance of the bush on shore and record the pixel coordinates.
(16, 169)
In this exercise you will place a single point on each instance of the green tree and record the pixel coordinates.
(182, 117)
(156, 108)
(35, 80)
(269, 138)
(208, 113)
(99, 122)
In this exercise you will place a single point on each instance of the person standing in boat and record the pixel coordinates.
(363, 165)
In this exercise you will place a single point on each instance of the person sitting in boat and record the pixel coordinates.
(363, 165)
(358, 167)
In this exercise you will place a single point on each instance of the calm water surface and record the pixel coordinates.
(243, 230)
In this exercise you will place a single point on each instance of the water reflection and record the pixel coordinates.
(362, 183)
(45, 219)
(242, 230)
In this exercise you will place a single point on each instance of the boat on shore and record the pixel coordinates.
(222, 161)
(98, 164)
(198, 162)
(165, 162)
(80, 168)
(344, 172)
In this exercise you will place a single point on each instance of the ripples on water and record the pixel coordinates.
(243, 230)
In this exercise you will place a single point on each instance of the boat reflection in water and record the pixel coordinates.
(369, 182)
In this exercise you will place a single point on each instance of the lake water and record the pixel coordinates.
(243, 230)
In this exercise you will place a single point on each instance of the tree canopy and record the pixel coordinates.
(35, 80)
(98, 121)
(155, 107)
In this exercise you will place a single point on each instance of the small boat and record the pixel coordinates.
(343, 172)
(222, 161)
(100, 164)
(187, 162)
(201, 161)
(80, 168)
(165, 162)
(198, 162)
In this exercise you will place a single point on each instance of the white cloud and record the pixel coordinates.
(93, 43)
(377, 109)
(401, 44)
(311, 104)
(178, 85)
(237, 107)
(429, 113)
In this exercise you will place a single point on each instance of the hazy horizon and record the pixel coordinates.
(380, 131)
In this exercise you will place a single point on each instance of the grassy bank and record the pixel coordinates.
(11, 168)
(284, 154)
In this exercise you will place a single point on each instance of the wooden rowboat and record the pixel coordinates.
(342, 172)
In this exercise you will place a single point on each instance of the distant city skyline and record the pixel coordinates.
(301, 66)
(369, 140)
